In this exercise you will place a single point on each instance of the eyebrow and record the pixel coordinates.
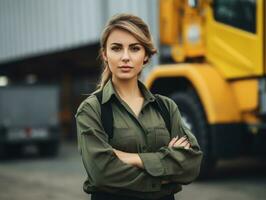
(119, 44)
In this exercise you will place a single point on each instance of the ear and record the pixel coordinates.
(146, 58)
(104, 55)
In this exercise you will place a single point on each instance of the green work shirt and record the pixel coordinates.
(146, 135)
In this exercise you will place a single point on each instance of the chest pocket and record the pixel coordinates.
(124, 139)
(157, 137)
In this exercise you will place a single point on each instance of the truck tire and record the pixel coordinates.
(194, 117)
(49, 149)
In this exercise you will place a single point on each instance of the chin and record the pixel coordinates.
(125, 77)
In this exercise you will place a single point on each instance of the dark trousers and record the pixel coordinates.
(108, 196)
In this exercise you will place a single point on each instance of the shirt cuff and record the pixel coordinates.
(155, 185)
(152, 163)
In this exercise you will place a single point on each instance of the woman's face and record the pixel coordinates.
(124, 55)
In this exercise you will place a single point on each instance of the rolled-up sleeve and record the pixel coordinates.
(175, 163)
(104, 168)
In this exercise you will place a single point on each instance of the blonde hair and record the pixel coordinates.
(135, 26)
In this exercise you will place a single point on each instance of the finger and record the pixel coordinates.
(181, 140)
(187, 146)
(184, 138)
(172, 142)
(184, 143)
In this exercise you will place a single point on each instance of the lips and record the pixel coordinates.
(125, 66)
(125, 69)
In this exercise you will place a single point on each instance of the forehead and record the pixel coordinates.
(122, 37)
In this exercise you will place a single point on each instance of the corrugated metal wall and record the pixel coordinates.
(32, 27)
(36, 26)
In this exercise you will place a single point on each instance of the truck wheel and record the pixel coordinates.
(194, 117)
(49, 149)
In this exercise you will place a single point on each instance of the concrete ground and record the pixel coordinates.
(30, 177)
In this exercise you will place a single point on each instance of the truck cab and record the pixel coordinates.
(29, 117)
(217, 77)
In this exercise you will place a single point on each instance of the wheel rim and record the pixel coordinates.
(188, 122)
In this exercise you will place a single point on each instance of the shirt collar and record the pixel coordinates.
(109, 91)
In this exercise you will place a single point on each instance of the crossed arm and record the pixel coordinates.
(134, 158)
(178, 162)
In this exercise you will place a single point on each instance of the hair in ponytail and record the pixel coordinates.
(105, 76)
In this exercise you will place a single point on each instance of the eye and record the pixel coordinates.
(135, 48)
(116, 48)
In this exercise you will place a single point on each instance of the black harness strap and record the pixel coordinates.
(161, 107)
(108, 119)
(106, 115)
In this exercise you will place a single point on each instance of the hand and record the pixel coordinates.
(179, 142)
(121, 155)
(129, 158)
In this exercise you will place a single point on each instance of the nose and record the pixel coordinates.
(125, 56)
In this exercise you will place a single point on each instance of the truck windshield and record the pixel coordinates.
(237, 13)
(28, 106)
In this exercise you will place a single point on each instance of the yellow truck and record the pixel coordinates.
(218, 73)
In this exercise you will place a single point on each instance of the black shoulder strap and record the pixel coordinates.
(163, 111)
(106, 115)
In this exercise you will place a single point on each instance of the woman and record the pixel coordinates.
(142, 159)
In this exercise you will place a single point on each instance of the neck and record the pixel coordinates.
(127, 88)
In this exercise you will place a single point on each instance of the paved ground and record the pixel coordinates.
(61, 178)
